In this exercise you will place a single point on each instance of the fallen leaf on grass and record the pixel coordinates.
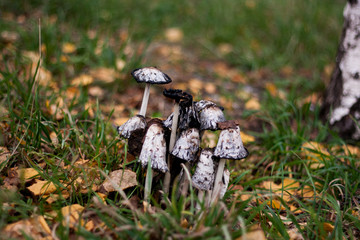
(124, 178)
(174, 34)
(252, 104)
(246, 138)
(102, 74)
(96, 91)
(42, 187)
(275, 204)
(4, 155)
(253, 235)
(284, 190)
(35, 227)
(27, 173)
(294, 234)
(71, 215)
(314, 152)
(68, 48)
(82, 80)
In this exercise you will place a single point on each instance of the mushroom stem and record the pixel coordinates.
(145, 100)
(218, 180)
(171, 146)
(184, 182)
(201, 199)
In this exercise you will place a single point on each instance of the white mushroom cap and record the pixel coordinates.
(150, 75)
(134, 123)
(168, 122)
(200, 105)
(224, 186)
(204, 174)
(210, 116)
(187, 145)
(154, 148)
(230, 145)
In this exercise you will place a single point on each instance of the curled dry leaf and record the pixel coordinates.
(42, 187)
(71, 215)
(35, 227)
(123, 178)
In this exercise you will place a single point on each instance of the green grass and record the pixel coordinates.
(263, 34)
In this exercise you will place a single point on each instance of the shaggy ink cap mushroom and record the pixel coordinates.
(150, 75)
(204, 175)
(230, 145)
(134, 123)
(187, 145)
(154, 147)
(209, 115)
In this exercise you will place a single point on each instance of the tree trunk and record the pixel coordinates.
(342, 98)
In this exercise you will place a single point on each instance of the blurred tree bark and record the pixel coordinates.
(342, 98)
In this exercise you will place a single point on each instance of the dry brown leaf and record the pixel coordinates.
(43, 77)
(42, 187)
(210, 88)
(195, 85)
(71, 215)
(124, 178)
(238, 78)
(284, 190)
(313, 152)
(105, 75)
(253, 235)
(27, 173)
(96, 91)
(252, 104)
(35, 227)
(82, 80)
(174, 34)
(54, 138)
(4, 155)
(120, 64)
(294, 234)
(246, 138)
(225, 48)
(68, 48)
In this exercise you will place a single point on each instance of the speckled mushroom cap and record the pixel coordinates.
(134, 123)
(204, 175)
(154, 148)
(187, 145)
(150, 75)
(209, 114)
(230, 145)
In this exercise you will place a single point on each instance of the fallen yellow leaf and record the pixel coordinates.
(102, 74)
(42, 187)
(275, 204)
(68, 48)
(252, 104)
(35, 227)
(246, 138)
(4, 155)
(253, 235)
(328, 227)
(27, 173)
(195, 85)
(82, 80)
(314, 152)
(71, 215)
(174, 34)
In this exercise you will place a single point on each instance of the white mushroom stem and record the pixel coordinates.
(145, 100)
(171, 146)
(200, 198)
(218, 180)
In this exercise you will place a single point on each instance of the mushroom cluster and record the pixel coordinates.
(186, 126)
